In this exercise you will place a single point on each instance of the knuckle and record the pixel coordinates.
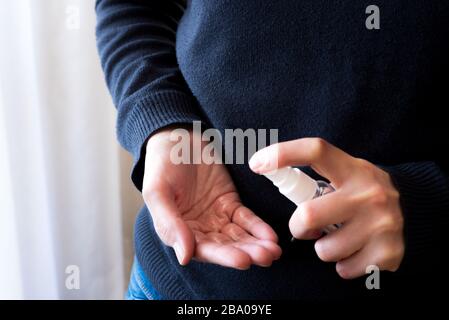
(385, 223)
(387, 214)
(395, 258)
(394, 196)
(396, 224)
(389, 257)
(379, 196)
(388, 223)
(317, 147)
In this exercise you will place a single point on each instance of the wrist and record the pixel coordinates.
(163, 134)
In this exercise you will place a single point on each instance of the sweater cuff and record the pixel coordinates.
(424, 199)
(147, 115)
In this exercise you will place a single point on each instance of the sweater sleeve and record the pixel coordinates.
(424, 197)
(136, 41)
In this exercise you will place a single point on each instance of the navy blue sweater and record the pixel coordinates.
(310, 68)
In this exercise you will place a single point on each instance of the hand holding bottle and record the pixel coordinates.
(365, 201)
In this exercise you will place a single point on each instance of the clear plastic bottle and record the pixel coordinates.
(299, 187)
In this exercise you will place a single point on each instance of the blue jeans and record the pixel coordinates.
(140, 288)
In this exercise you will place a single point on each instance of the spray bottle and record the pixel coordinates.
(299, 187)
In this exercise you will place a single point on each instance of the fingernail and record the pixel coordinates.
(179, 252)
(257, 162)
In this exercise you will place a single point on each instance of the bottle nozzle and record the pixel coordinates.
(293, 183)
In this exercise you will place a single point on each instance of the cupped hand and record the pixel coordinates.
(196, 210)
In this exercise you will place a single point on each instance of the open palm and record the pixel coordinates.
(196, 210)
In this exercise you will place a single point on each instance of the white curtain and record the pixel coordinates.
(66, 202)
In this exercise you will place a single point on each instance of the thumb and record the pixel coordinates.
(168, 223)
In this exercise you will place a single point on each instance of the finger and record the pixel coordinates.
(170, 227)
(342, 243)
(382, 254)
(259, 255)
(254, 225)
(274, 248)
(236, 233)
(222, 254)
(317, 214)
(328, 160)
(355, 266)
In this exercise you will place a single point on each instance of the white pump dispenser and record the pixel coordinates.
(299, 187)
(294, 184)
